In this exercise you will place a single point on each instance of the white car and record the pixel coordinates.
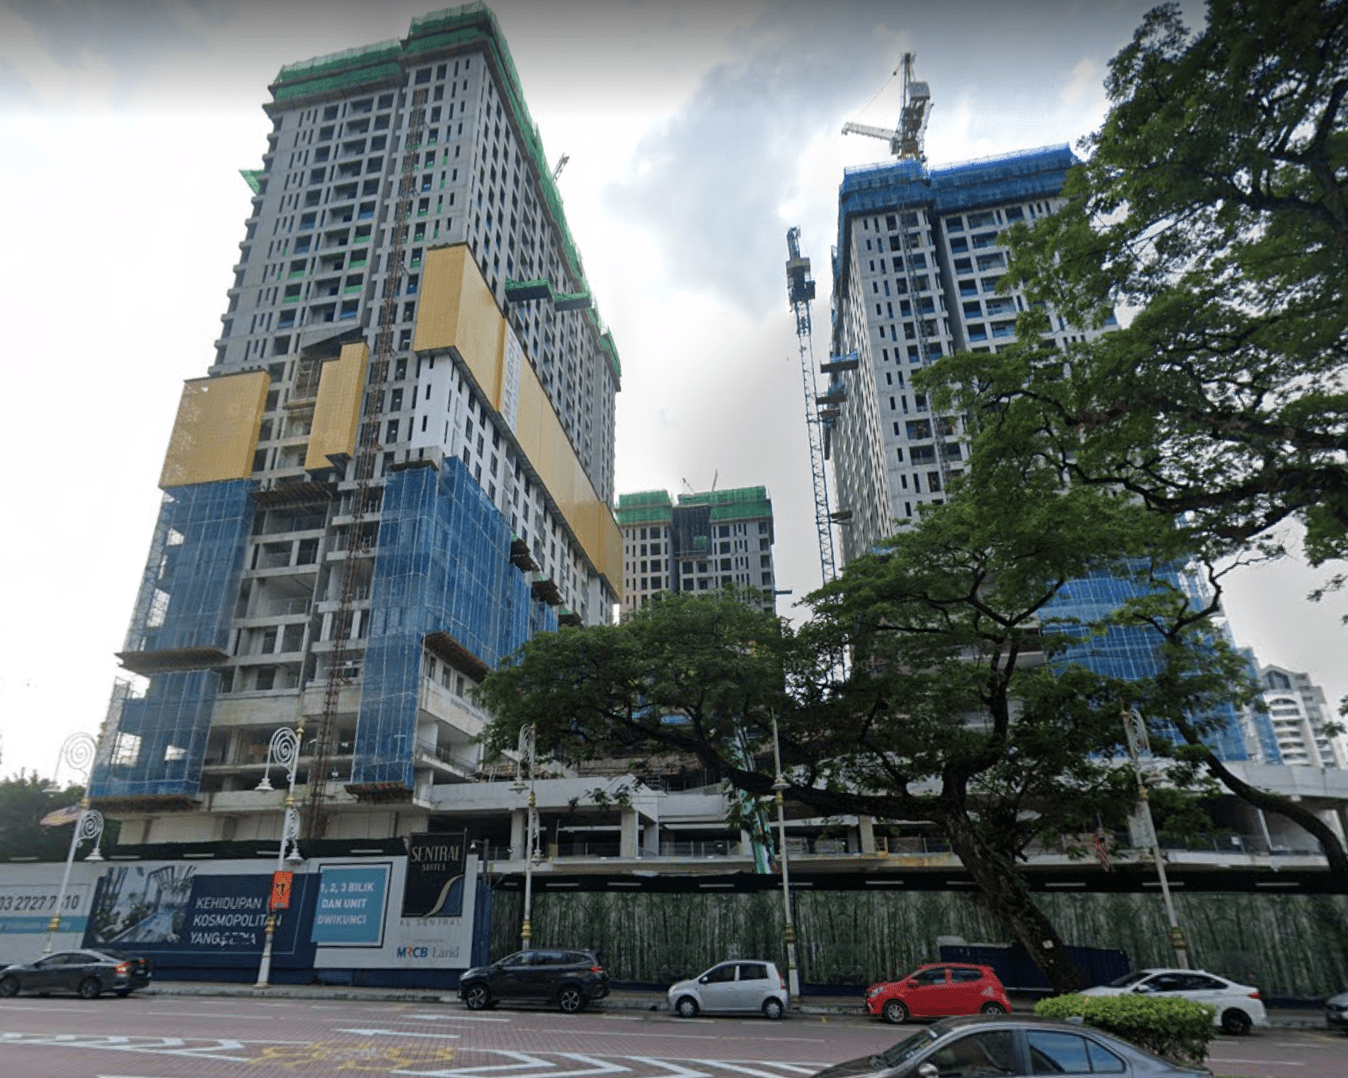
(1238, 1005)
(747, 986)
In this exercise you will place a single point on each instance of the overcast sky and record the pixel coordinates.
(698, 132)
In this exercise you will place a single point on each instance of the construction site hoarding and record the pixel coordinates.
(337, 409)
(215, 434)
(458, 313)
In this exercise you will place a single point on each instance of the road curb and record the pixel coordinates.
(618, 1001)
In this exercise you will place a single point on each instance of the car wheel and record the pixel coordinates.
(477, 997)
(1236, 1022)
(992, 1008)
(90, 988)
(571, 999)
(9, 986)
(895, 1012)
(773, 1009)
(686, 1007)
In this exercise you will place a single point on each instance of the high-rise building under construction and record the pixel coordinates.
(396, 468)
(705, 542)
(920, 256)
(920, 259)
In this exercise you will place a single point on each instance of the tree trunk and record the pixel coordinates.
(1004, 889)
(1298, 814)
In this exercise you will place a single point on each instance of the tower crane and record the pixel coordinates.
(905, 141)
(800, 291)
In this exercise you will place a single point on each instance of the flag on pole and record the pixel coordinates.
(1101, 845)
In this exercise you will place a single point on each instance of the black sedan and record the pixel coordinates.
(1007, 1047)
(88, 974)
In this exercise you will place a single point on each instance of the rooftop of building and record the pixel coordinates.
(384, 65)
(656, 506)
(967, 185)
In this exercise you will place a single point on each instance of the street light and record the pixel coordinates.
(527, 751)
(792, 976)
(78, 752)
(284, 749)
(1135, 729)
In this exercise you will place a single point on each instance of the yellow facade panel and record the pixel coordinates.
(529, 417)
(438, 311)
(337, 409)
(457, 310)
(215, 435)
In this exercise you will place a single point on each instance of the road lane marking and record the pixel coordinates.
(213, 1014)
(675, 1069)
(399, 1033)
(456, 1018)
(593, 1067)
(1256, 1062)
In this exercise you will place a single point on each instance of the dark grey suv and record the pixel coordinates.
(567, 979)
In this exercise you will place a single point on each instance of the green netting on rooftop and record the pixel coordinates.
(645, 507)
(347, 59)
(733, 496)
(741, 510)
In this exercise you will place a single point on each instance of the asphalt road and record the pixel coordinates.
(197, 1036)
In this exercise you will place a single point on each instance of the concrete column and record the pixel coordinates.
(629, 831)
(866, 834)
(650, 839)
(518, 818)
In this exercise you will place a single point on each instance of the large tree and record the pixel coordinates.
(24, 800)
(1213, 209)
(950, 712)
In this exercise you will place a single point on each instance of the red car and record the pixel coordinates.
(939, 991)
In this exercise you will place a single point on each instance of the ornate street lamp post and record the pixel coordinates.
(526, 752)
(792, 972)
(284, 749)
(1135, 728)
(77, 751)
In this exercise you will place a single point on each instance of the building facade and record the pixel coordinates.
(918, 262)
(704, 542)
(1298, 713)
(396, 468)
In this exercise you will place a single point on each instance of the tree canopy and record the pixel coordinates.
(1213, 204)
(24, 800)
(952, 711)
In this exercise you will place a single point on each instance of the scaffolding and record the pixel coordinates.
(443, 570)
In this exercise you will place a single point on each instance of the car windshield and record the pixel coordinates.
(908, 1047)
(1129, 978)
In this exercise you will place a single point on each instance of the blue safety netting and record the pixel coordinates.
(442, 567)
(907, 185)
(1132, 652)
(154, 745)
(192, 574)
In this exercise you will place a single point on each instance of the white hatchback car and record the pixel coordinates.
(741, 986)
(1238, 1005)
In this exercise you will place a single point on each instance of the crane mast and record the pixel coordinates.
(905, 140)
(800, 291)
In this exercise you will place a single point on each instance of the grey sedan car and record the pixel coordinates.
(88, 974)
(1009, 1047)
(1336, 1012)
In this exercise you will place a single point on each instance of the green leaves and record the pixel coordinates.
(1213, 212)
